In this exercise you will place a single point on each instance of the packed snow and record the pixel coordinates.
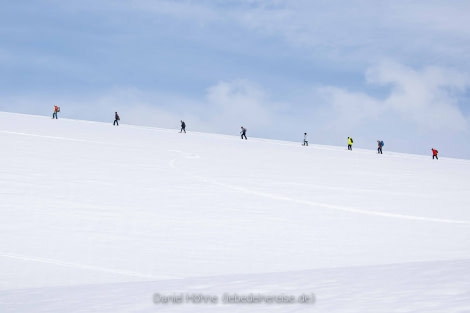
(103, 218)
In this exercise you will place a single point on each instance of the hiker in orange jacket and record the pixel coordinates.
(434, 154)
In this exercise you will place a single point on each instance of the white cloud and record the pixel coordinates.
(349, 32)
(239, 102)
(365, 31)
(427, 97)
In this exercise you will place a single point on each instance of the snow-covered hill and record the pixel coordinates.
(96, 218)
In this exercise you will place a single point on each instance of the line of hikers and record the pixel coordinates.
(380, 143)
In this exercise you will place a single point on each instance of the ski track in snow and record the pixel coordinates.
(85, 267)
(264, 194)
(172, 164)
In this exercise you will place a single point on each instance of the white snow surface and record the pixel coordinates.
(99, 218)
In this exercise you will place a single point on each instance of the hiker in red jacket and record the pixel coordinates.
(434, 154)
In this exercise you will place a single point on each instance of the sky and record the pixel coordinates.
(392, 70)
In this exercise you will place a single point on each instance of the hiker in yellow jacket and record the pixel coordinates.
(350, 143)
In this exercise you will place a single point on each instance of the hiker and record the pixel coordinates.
(305, 140)
(434, 153)
(350, 143)
(183, 127)
(243, 132)
(116, 119)
(56, 110)
(380, 144)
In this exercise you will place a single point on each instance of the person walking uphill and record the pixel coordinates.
(350, 143)
(56, 110)
(116, 119)
(243, 132)
(380, 144)
(305, 140)
(434, 154)
(183, 127)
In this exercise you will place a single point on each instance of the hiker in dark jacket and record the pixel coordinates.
(380, 144)
(116, 119)
(243, 132)
(183, 127)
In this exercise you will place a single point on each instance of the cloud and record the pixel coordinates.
(240, 102)
(428, 97)
(346, 32)
(364, 31)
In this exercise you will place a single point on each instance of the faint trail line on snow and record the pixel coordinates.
(59, 138)
(172, 163)
(85, 267)
(47, 136)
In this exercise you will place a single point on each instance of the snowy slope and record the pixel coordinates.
(96, 218)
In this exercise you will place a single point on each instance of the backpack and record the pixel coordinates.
(58, 109)
(382, 143)
(352, 141)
